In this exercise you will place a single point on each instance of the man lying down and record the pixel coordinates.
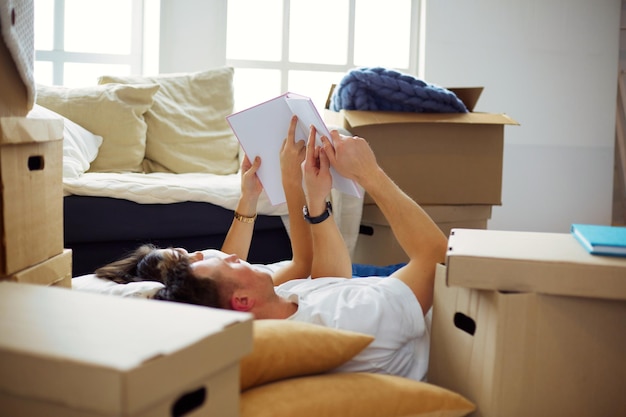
(316, 285)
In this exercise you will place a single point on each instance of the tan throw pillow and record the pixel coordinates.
(113, 111)
(352, 395)
(187, 127)
(285, 348)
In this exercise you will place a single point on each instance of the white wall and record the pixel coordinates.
(551, 65)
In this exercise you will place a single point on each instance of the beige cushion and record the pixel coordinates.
(284, 348)
(352, 395)
(187, 127)
(114, 112)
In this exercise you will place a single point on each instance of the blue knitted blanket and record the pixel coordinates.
(388, 90)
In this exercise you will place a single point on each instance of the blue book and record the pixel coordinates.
(601, 240)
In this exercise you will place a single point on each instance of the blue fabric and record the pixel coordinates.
(366, 270)
(380, 89)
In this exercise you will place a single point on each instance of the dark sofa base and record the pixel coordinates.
(100, 230)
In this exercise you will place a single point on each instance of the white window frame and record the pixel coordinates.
(284, 65)
(58, 56)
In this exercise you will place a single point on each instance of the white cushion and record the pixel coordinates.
(91, 283)
(80, 146)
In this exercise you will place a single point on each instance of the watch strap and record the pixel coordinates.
(318, 219)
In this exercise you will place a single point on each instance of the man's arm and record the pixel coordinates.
(239, 234)
(417, 234)
(331, 257)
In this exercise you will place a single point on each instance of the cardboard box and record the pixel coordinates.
(54, 271)
(549, 263)
(527, 352)
(436, 158)
(377, 245)
(69, 353)
(31, 209)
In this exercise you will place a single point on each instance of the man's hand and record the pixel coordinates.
(292, 154)
(317, 178)
(351, 156)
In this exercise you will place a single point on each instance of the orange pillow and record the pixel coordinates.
(352, 395)
(285, 348)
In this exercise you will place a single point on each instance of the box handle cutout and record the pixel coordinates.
(35, 163)
(465, 323)
(189, 402)
(366, 230)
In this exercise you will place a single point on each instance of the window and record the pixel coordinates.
(305, 47)
(76, 41)
(300, 46)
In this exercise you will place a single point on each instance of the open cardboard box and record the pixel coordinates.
(66, 353)
(436, 158)
(530, 324)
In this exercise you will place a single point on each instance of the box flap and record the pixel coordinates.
(550, 263)
(360, 118)
(468, 95)
(15, 130)
(109, 351)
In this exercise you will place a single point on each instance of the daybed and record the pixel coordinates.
(152, 159)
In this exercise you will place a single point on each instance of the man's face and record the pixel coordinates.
(239, 273)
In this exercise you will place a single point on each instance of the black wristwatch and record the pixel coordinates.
(318, 219)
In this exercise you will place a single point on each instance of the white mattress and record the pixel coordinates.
(164, 188)
(221, 190)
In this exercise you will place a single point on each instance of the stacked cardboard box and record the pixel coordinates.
(530, 324)
(377, 245)
(99, 356)
(438, 159)
(31, 202)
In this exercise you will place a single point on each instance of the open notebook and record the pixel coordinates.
(261, 130)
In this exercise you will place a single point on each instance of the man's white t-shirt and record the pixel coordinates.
(383, 307)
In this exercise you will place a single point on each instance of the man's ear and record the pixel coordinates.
(241, 302)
